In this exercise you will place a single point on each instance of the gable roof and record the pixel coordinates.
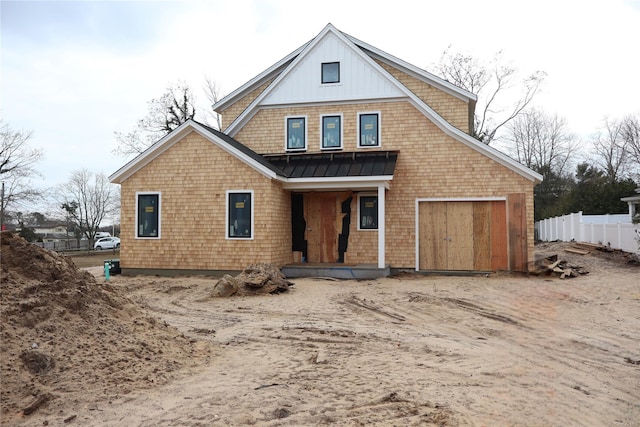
(225, 142)
(277, 68)
(366, 53)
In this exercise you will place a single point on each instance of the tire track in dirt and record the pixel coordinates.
(426, 351)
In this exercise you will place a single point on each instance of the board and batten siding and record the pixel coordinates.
(359, 80)
(192, 177)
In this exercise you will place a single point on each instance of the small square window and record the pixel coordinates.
(331, 132)
(368, 213)
(239, 215)
(148, 215)
(369, 130)
(296, 133)
(331, 72)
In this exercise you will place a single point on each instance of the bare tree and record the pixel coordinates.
(17, 168)
(541, 142)
(174, 107)
(214, 94)
(631, 135)
(492, 82)
(86, 200)
(612, 150)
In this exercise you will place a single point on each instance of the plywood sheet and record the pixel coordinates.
(433, 233)
(499, 245)
(482, 236)
(460, 235)
(517, 226)
(322, 236)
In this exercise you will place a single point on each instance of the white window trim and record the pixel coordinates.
(366, 195)
(135, 231)
(379, 130)
(226, 216)
(286, 132)
(322, 147)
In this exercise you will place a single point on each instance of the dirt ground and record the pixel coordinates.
(503, 350)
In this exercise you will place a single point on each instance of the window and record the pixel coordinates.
(331, 72)
(367, 212)
(296, 133)
(368, 130)
(240, 214)
(148, 215)
(331, 132)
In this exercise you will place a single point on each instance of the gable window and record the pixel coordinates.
(148, 215)
(330, 72)
(368, 130)
(239, 214)
(331, 132)
(367, 212)
(296, 133)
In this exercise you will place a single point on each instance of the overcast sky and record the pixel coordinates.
(74, 72)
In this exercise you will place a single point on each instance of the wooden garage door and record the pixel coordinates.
(463, 236)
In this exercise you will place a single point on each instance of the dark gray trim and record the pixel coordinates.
(176, 272)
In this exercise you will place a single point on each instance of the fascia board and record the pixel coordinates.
(168, 141)
(235, 126)
(344, 182)
(256, 81)
(417, 72)
(473, 143)
(254, 106)
(150, 153)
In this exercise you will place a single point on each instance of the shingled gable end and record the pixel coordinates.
(339, 158)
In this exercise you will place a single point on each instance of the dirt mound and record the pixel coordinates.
(62, 333)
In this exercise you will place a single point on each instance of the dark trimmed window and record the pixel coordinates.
(239, 215)
(368, 212)
(296, 134)
(331, 72)
(148, 215)
(369, 130)
(331, 132)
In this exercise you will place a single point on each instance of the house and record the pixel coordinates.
(634, 207)
(339, 155)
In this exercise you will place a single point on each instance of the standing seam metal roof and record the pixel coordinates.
(336, 164)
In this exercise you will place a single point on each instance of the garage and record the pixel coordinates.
(471, 235)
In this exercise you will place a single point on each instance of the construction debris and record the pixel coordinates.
(577, 251)
(255, 279)
(551, 265)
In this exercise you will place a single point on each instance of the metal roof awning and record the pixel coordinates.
(337, 170)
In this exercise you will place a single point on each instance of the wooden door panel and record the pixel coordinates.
(433, 233)
(517, 229)
(499, 246)
(460, 236)
(482, 236)
(321, 234)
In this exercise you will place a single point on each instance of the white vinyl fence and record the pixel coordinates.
(613, 230)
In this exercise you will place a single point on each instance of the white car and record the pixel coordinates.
(107, 243)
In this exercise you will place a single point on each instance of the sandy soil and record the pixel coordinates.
(410, 350)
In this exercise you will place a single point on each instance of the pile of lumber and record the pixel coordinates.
(586, 248)
(551, 265)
